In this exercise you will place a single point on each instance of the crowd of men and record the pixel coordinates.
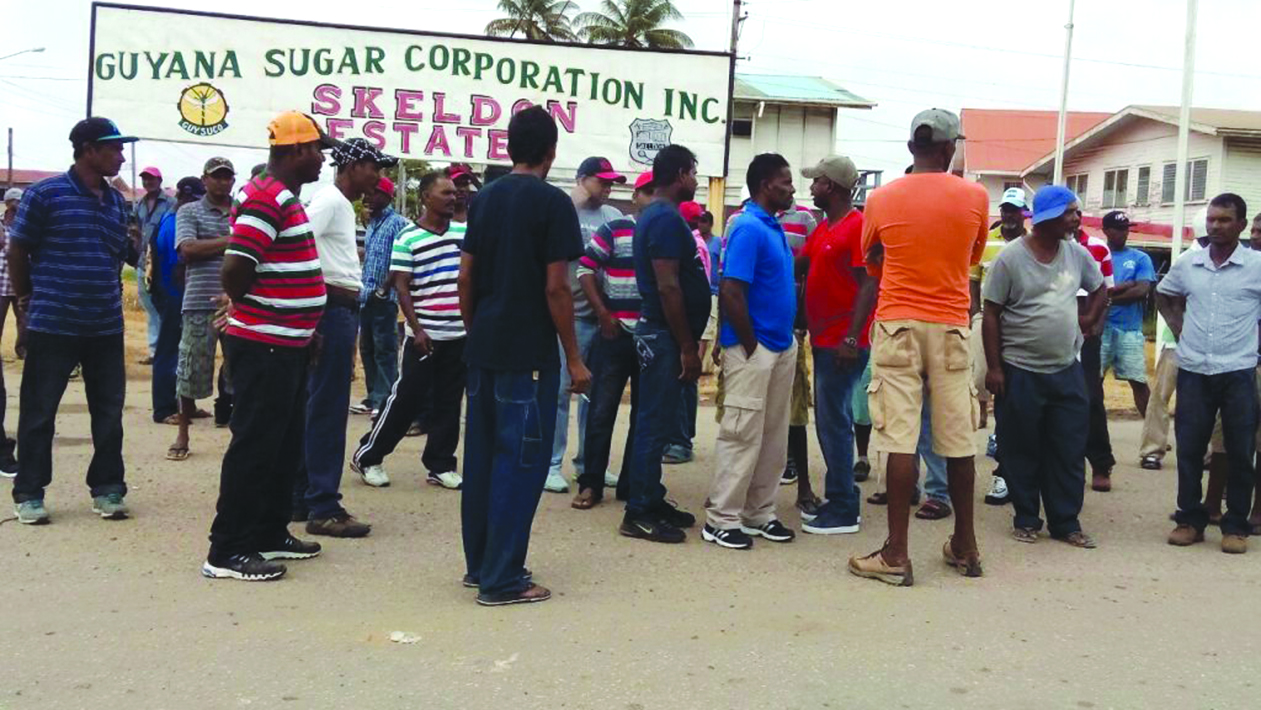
(516, 297)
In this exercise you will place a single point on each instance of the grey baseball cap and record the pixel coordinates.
(837, 168)
(944, 124)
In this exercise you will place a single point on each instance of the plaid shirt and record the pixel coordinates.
(6, 285)
(378, 244)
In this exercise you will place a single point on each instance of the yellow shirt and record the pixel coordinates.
(993, 244)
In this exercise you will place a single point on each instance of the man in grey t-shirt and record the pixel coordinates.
(201, 236)
(595, 180)
(1032, 333)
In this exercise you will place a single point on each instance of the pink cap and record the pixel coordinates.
(387, 186)
(458, 170)
(644, 180)
(691, 211)
(152, 171)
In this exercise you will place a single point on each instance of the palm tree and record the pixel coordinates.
(633, 23)
(543, 20)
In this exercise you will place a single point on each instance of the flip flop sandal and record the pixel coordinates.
(882, 498)
(173, 420)
(1028, 535)
(176, 453)
(933, 510)
(1079, 539)
(967, 566)
(586, 499)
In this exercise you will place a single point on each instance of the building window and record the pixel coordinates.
(1116, 184)
(1143, 187)
(1078, 183)
(1197, 181)
(1009, 185)
(742, 127)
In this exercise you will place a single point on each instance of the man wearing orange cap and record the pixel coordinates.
(271, 273)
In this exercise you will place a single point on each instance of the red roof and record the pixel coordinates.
(26, 177)
(1003, 141)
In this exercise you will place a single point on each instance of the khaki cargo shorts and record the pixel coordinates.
(800, 413)
(908, 356)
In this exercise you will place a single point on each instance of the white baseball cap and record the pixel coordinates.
(12, 193)
(1015, 197)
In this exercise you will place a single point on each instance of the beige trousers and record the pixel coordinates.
(752, 447)
(1156, 423)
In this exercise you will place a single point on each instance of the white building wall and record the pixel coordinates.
(995, 186)
(1143, 143)
(1242, 172)
(801, 134)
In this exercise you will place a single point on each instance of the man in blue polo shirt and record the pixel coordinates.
(759, 304)
(66, 250)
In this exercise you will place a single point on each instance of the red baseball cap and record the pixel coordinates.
(596, 166)
(644, 180)
(458, 170)
(691, 211)
(387, 186)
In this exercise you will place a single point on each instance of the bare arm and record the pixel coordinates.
(609, 326)
(20, 270)
(974, 294)
(202, 249)
(667, 273)
(237, 275)
(992, 339)
(402, 282)
(1172, 309)
(1091, 318)
(732, 294)
(464, 283)
(864, 302)
(560, 301)
(1132, 292)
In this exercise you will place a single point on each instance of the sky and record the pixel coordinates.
(906, 55)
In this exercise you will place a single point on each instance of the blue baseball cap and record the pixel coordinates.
(1050, 202)
(97, 130)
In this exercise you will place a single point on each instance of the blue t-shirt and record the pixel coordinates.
(168, 258)
(715, 261)
(661, 233)
(1129, 265)
(758, 254)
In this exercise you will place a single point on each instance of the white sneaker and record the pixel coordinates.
(556, 483)
(446, 479)
(610, 479)
(998, 493)
(373, 475)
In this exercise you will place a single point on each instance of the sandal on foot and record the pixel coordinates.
(882, 498)
(1079, 539)
(968, 565)
(177, 453)
(586, 499)
(933, 509)
(173, 420)
(202, 414)
(873, 566)
(1028, 535)
(532, 593)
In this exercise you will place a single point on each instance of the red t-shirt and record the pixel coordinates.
(830, 284)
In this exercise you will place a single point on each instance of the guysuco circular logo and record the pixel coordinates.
(203, 110)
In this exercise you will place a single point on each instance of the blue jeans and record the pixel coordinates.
(613, 363)
(834, 424)
(586, 331)
(327, 409)
(935, 483)
(1042, 431)
(1201, 398)
(166, 358)
(153, 314)
(510, 419)
(659, 395)
(685, 424)
(378, 347)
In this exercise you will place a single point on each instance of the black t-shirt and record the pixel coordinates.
(517, 225)
(661, 233)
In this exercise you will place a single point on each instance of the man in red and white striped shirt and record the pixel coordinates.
(271, 272)
(1098, 443)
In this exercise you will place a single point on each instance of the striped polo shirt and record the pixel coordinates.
(201, 220)
(286, 300)
(610, 256)
(433, 260)
(798, 223)
(1098, 249)
(78, 243)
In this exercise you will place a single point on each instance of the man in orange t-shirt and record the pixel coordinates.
(922, 233)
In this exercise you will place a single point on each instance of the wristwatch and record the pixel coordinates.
(851, 341)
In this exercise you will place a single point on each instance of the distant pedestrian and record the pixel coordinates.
(1212, 303)
(1098, 442)
(168, 294)
(1124, 347)
(67, 247)
(271, 272)
(148, 213)
(1031, 327)
(378, 301)
(515, 300)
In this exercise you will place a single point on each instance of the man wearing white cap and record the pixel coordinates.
(12, 196)
(148, 213)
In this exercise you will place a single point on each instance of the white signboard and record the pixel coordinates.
(218, 80)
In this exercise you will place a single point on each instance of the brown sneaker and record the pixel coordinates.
(1101, 482)
(1185, 535)
(1234, 544)
(340, 525)
(968, 565)
(873, 566)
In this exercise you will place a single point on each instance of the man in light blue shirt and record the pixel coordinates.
(1124, 347)
(1212, 303)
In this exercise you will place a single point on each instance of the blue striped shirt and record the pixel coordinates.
(78, 243)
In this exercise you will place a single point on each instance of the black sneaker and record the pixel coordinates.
(651, 528)
(774, 531)
(671, 514)
(734, 539)
(789, 477)
(862, 471)
(248, 568)
(292, 549)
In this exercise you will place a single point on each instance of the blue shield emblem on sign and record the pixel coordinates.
(648, 137)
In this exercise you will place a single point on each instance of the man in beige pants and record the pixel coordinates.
(759, 305)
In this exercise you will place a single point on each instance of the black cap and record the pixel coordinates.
(356, 149)
(97, 130)
(1116, 219)
(190, 187)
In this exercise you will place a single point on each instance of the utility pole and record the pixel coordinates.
(1058, 178)
(735, 26)
(9, 181)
